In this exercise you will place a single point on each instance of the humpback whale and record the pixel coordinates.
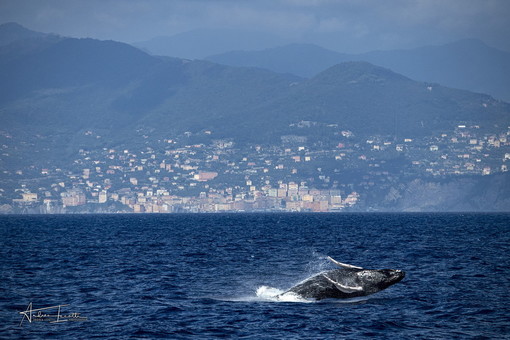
(346, 282)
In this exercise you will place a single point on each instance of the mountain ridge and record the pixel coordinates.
(199, 43)
(466, 64)
(119, 81)
(12, 31)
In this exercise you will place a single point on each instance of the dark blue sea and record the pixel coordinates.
(214, 276)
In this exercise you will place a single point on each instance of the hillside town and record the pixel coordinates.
(303, 173)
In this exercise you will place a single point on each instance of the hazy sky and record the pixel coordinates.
(345, 25)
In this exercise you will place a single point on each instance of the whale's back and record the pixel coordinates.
(318, 287)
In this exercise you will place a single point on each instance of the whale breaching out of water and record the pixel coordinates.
(347, 282)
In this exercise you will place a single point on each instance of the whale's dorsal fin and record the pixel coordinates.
(343, 265)
(343, 288)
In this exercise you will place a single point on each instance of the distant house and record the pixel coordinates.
(203, 176)
(73, 198)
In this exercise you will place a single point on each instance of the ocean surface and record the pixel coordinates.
(215, 276)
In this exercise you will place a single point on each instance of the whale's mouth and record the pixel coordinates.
(398, 275)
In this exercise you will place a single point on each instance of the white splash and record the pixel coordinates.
(262, 294)
(266, 293)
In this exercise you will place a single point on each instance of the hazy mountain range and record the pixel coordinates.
(467, 64)
(64, 84)
(200, 43)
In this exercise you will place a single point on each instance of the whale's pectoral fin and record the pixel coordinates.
(343, 265)
(343, 288)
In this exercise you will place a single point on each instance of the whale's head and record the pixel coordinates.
(377, 280)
